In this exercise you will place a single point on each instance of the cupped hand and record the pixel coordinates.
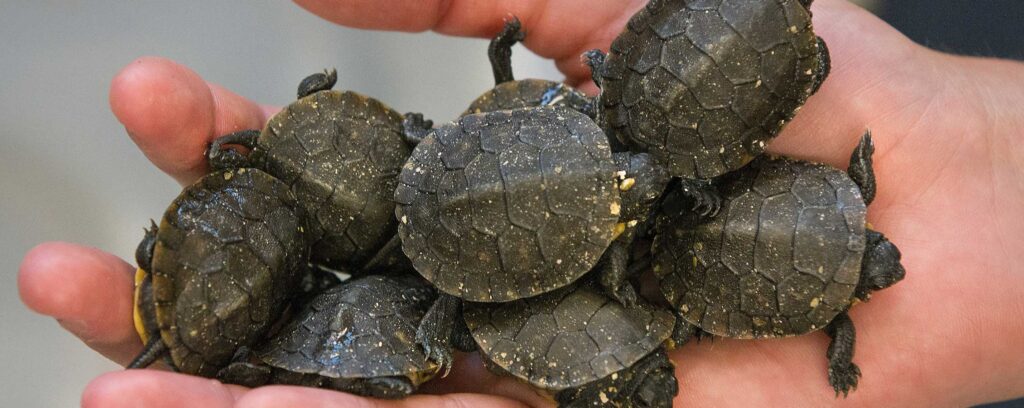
(948, 163)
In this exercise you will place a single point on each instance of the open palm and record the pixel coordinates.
(949, 168)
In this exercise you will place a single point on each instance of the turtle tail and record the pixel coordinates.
(153, 350)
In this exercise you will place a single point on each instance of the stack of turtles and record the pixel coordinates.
(522, 228)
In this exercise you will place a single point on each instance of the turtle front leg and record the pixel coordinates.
(595, 59)
(843, 374)
(500, 50)
(321, 81)
(222, 158)
(614, 275)
(416, 128)
(435, 331)
(824, 66)
(705, 198)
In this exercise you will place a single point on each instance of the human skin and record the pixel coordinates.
(950, 171)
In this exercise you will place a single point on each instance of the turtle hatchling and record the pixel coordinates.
(504, 205)
(340, 153)
(704, 85)
(355, 337)
(219, 271)
(509, 93)
(581, 345)
(789, 253)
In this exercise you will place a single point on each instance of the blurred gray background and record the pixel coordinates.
(68, 172)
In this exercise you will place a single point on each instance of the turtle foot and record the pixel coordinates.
(844, 379)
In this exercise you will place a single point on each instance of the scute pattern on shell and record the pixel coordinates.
(364, 328)
(527, 93)
(782, 258)
(503, 205)
(566, 338)
(340, 152)
(228, 256)
(703, 85)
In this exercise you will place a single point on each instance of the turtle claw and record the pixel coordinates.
(436, 351)
(844, 380)
(706, 204)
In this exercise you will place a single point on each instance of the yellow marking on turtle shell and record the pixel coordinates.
(868, 225)
(619, 229)
(228, 174)
(604, 398)
(632, 223)
(815, 302)
(621, 174)
(792, 29)
(140, 275)
(627, 184)
(698, 246)
(615, 208)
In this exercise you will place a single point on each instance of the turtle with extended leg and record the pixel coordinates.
(789, 253)
(340, 153)
(509, 93)
(702, 86)
(505, 205)
(219, 271)
(355, 337)
(580, 345)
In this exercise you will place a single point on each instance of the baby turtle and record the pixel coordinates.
(789, 254)
(704, 85)
(356, 337)
(340, 153)
(504, 205)
(219, 271)
(509, 93)
(581, 345)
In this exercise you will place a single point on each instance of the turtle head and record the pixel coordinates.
(641, 181)
(881, 267)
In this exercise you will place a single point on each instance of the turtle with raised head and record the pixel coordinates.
(219, 271)
(580, 345)
(509, 93)
(703, 85)
(356, 337)
(340, 152)
(789, 253)
(506, 205)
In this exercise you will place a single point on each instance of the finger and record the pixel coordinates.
(152, 388)
(288, 396)
(87, 290)
(172, 114)
(555, 29)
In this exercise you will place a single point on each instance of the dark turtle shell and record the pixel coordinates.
(527, 93)
(229, 254)
(567, 338)
(503, 205)
(782, 258)
(340, 152)
(704, 85)
(361, 329)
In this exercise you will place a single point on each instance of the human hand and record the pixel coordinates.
(949, 197)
